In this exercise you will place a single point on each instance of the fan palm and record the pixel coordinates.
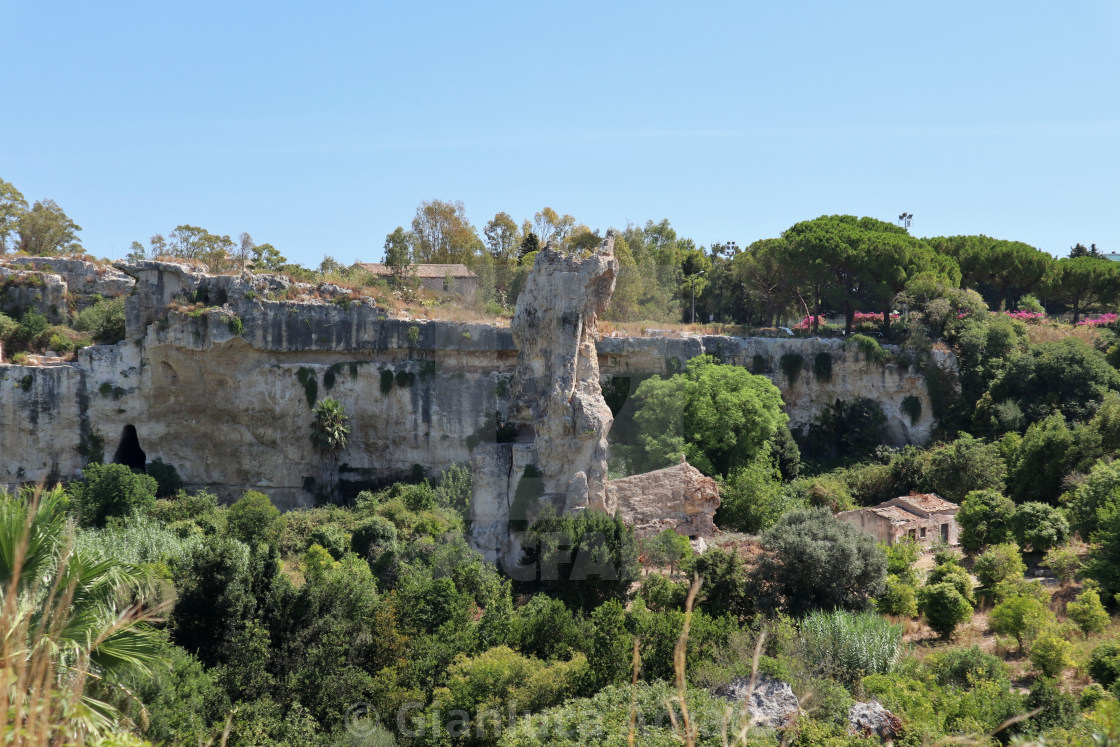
(330, 435)
(65, 619)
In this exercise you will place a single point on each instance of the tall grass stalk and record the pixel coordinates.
(849, 645)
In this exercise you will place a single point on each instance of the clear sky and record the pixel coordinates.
(319, 127)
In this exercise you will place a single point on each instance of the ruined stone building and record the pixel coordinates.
(927, 519)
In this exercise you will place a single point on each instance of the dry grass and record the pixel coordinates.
(1052, 332)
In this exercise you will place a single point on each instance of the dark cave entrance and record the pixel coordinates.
(129, 452)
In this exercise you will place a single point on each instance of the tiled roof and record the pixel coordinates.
(423, 271)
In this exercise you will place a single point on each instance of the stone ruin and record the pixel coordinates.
(557, 421)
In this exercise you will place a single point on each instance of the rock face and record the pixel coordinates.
(772, 702)
(626, 360)
(218, 375)
(872, 719)
(556, 403)
(57, 288)
(680, 498)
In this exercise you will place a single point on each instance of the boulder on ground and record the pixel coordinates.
(872, 719)
(771, 702)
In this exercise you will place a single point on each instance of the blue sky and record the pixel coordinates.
(320, 127)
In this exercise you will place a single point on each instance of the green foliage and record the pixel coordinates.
(967, 464)
(1040, 527)
(111, 490)
(1050, 653)
(1068, 377)
(168, 482)
(214, 584)
(585, 558)
(329, 432)
(310, 384)
(604, 719)
(413, 335)
(951, 573)
(725, 587)
(791, 364)
(899, 598)
(104, 321)
(1087, 612)
(1063, 563)
(236, 326)
(332, 538)
(848, 429)
(943, 607)
(901, 557)
(752, 498)
(999, 563)
(1022, 617)
(1047, 452)
(547, 629)
(872, 351)
(720, 417)
(373, 536)
(1058, 709)
(1104, 663)
(822, 366)
(912, 406)
(967, 667)
(815, 561)
(848, 646)
(667, 548)
(253, 520)
(824, 491)
(985, 519)
(1097, 489)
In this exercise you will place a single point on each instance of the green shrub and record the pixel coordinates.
(791, 366)
(1057, 709)
(1087, 612)
(985, 519)
(375, 533)
(872, 351)
(899, 599)
(331, 538)
(999, 563)
(950, 573)
(1104, 663)
(111, 490)
(168, 482)
(1050, 654)
(1092, 695)
(967, 667)
(822, 366)
(254, 520)
(236, 326)
(1040, 526)
(104, 321)
(1019, 616)
(943, 607)
(751, 499)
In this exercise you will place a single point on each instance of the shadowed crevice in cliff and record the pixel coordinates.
(129, 452)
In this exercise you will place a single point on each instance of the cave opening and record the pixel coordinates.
(129, 452)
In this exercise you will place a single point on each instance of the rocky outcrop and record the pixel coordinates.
(680, 498)
(57, 288)
(770, 702)
(556, 404)
(872, 719)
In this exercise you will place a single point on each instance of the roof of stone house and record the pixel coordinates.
(929, 503)
(422, 271)
(894, 514)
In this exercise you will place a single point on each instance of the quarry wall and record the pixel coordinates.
(225, 392)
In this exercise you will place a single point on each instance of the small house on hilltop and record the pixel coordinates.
(455, 278)
(926, 519)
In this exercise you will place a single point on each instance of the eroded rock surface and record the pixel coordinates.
(680, 498)
(771, 702)
(872, 719)
(556, 404)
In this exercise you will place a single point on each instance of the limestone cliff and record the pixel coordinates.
(556, 404)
